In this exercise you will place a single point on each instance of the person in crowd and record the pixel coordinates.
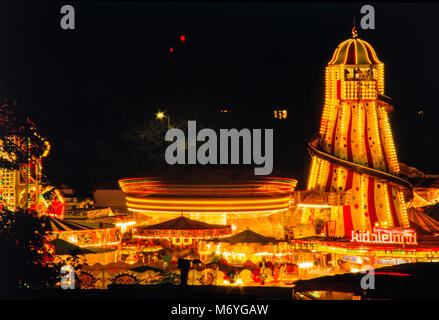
(276, 271)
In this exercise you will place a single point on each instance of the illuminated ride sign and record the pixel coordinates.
(385, 236)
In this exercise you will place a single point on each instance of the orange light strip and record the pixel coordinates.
(360, 125)
(219, 201)
(170, 237)
(322, 164)
(388, 142)
(386, 198)
(363, 203)
(342, 126)
(184, 189)
(377, 133)
(405, 219)
(313, 174)
(324, 119)
(254, 212)
(380, 80)
(100, 244)
(355, 51)
(304, 205)
(214, 208)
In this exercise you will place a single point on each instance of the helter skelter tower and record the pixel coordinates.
(354, 154)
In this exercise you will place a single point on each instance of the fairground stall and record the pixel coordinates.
(64, 251)
(83, 235)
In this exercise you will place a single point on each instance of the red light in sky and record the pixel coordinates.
(171, 50)
(182, 37)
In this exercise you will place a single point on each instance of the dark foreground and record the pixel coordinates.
(157, 292)
(413, 281)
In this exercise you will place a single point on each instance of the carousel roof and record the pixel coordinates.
(183, 227)
(182, 223)
(248, 236)
(354, 51)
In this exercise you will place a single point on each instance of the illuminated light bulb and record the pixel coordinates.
(160, 115)
(305, 265)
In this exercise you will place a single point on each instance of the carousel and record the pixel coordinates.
(182, 232)
(214, 196)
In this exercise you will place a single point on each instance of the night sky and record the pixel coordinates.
(86, 88)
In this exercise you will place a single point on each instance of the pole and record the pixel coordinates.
(26, 167)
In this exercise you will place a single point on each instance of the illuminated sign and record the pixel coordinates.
(385, 236)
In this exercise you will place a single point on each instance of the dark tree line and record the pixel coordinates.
(25, 259)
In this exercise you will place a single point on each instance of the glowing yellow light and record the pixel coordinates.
(363, 203)
(170, 236)
(204, 208)
(305, 265)
(314, 205)
(405, 219)
(202, 202)
(123, 225)
(388, 211)
(254, 212)
(313, 174)
(160, 115)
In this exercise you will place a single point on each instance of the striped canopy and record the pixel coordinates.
(57, 225)
(63, 247)
(354, 52)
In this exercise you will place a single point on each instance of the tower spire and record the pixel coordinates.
(354, 30)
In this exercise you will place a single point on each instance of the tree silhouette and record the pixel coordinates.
(15, 129)
(26, 260)
(147, 141)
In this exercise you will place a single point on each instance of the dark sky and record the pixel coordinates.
(85, 88)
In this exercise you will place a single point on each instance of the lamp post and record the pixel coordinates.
(161, 115)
